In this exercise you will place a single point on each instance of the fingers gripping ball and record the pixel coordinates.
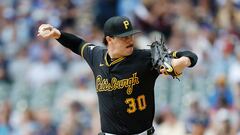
(161, 59)
(44, 30)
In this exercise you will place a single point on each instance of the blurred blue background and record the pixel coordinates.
(47, 90)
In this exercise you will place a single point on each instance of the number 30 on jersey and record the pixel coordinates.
(134, 104)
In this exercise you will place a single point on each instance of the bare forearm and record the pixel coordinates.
(192, 56)
(183, 60)
(180, 64)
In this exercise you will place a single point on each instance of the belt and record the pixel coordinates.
(149, 131)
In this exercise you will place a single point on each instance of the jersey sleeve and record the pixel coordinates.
(79, 46)
(72, 42)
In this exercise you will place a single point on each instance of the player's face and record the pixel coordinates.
(122, 46)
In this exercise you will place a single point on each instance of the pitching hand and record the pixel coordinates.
(47, 31)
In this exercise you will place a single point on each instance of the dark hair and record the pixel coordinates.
(105, 41)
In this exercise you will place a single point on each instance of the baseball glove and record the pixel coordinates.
(161, 58)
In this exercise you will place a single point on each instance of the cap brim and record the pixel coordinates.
(129, 33)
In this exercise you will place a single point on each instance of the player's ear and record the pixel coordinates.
(109, 39)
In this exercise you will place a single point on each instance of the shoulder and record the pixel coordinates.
(93, 47)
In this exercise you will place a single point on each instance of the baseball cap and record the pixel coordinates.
(119, 26)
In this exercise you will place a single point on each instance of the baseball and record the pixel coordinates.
(44, 32)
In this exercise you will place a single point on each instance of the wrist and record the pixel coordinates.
(57, 33)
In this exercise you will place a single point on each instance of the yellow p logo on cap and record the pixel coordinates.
(126, 24)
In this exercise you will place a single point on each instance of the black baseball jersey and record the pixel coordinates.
(125, 87)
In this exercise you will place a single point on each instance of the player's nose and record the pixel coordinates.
(129, 39)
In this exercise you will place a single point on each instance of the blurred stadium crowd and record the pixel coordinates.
(47, 90)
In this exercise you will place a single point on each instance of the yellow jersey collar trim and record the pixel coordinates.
(114, 62)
